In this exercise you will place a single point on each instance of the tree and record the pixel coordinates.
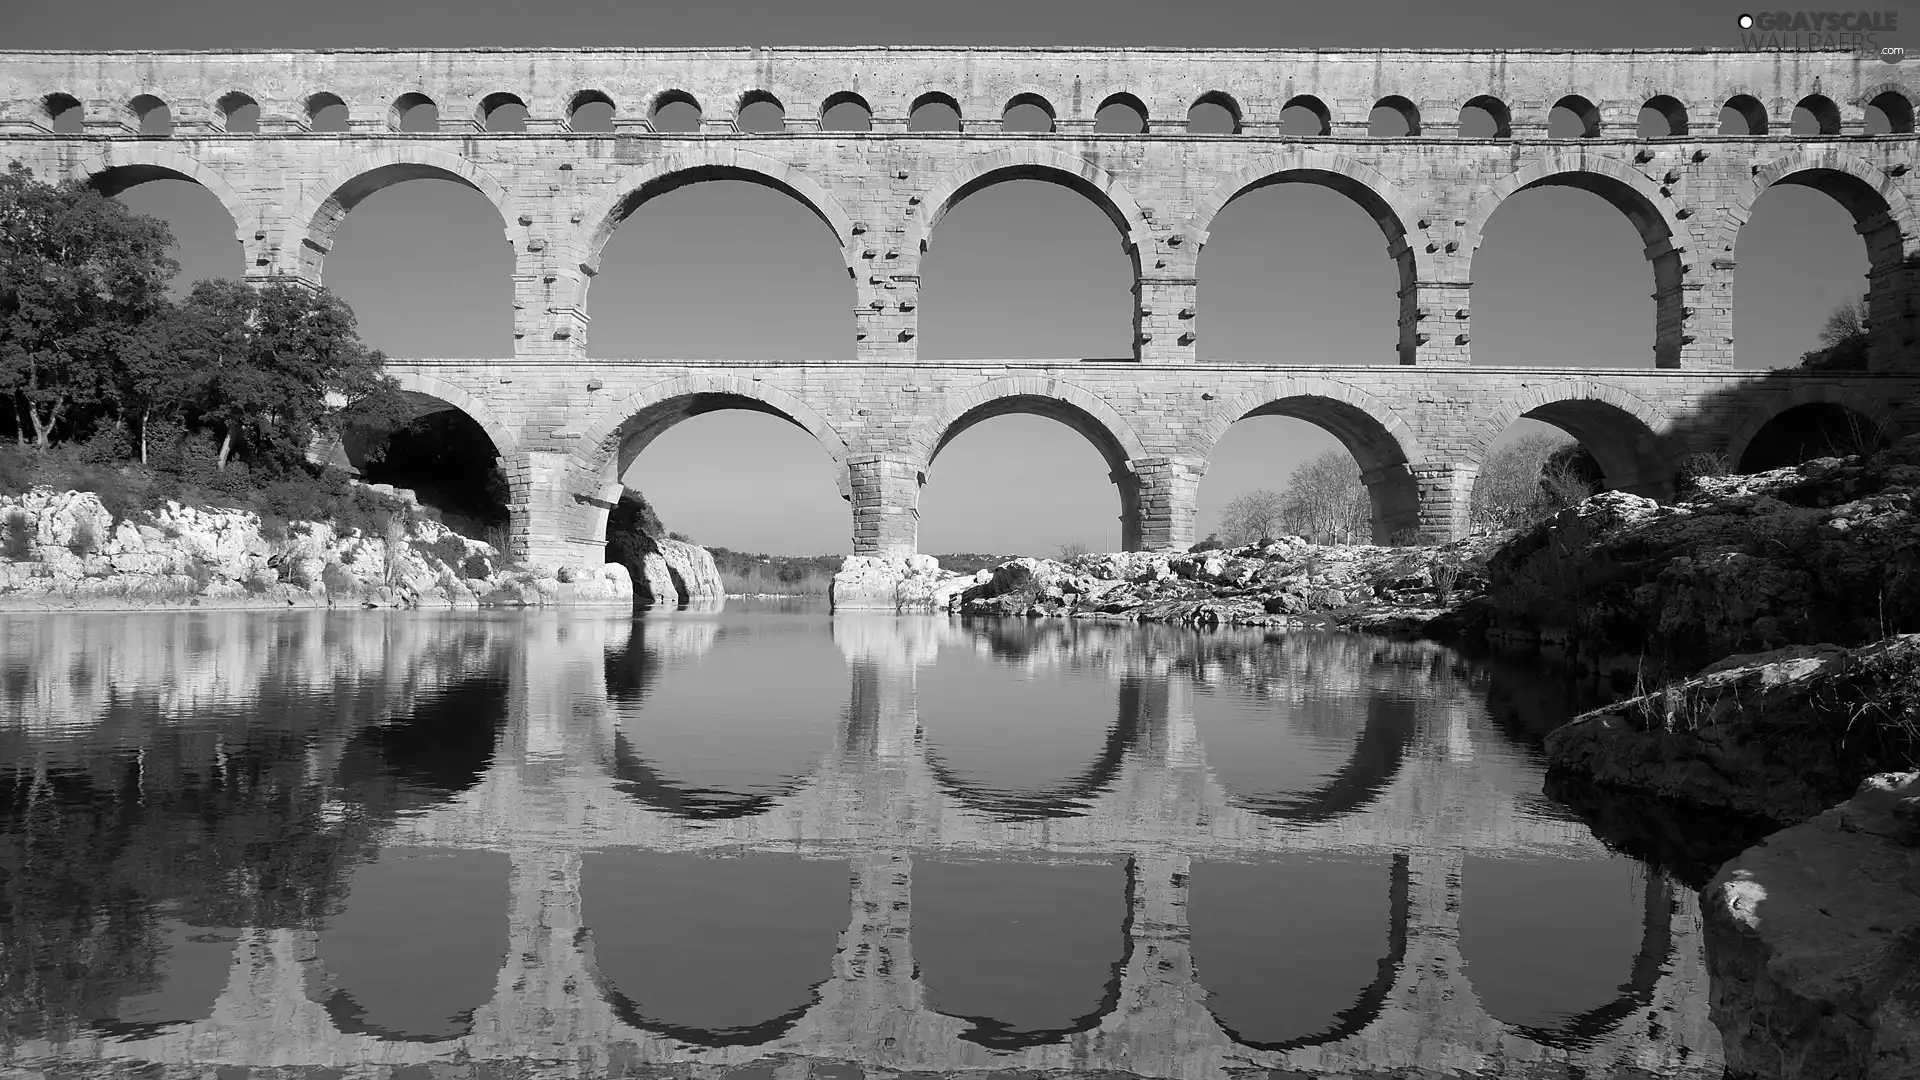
(1252, 516)
(1843, 340)
(82, 281)
(275, 365)
(1507, 492)
(1326, 502)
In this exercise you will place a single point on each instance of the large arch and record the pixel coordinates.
(1075, 406)
(1654, 215)
(506, 441)
(1872, 411)
(324, 204)
(1881, 213)
(1032, 163)
(1381, 442)
(1623, 432)
(117, 166)
(1357, 181)
(646, 182)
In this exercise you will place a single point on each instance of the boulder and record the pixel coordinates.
(1813, 943)
(1779, 735)
(901, 584)
(695, 577)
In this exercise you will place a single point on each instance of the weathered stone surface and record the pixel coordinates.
(696, 579)
(1813, 942)
(1417, 420)
(1825, 551)
(1780, 735)
(909, 583)
(183, 556)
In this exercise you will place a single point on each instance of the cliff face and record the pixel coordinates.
(64, 550)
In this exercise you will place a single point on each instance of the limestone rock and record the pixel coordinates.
(1779, 735)
(907, 583)
(1813, 944)
(696, 579)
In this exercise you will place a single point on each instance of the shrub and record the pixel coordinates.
(83, 542)
(1445, 577)
(448, 549)
(337, 580)
(476, 566)
(18, 541)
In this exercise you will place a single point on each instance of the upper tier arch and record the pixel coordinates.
(324, 204)
(1031, 163)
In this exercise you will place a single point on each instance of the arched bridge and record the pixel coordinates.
(291, 142)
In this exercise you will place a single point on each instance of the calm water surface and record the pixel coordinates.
(775, 843)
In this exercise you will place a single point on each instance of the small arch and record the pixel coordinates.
(1808, 422)
(326, 111)
(1573, 117)
(590, 111)
(1074, 406)
(1305, 114)
(414, 111)
(1623, 432)
(1120, 114)
(65, 115)
(1486, 117)
(239, 113)
(934, 111)
(1662, 117)
(1816, 114)
(846, 111)
(1743, 114)
(758, 112)
(1214, 113)
(1895, 114)
(503, 112)
(675, 110)
(1027, 114)
(1393, 117)
(153, 115)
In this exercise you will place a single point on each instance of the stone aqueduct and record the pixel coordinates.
(565, 425)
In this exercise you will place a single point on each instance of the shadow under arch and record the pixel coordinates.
(1366, 1008)
(1656, 946)
(119, 167)
(745, 1035)
(1140, 702)
(1375, 761)
(1667, 242)
(998, 1035)
(317, 216)
(426, 394)
(1808, 422)
(1623, 432)
(1381, 442)
(1361, 183)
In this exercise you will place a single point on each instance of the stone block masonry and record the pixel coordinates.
(1418, 423)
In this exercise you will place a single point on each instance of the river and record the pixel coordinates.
(772, 842)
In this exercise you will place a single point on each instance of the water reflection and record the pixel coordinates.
(359, 840)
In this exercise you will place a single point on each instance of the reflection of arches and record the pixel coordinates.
(1821, 407)
(1668, 244)
(1366, 1008)
(640, 781)
(326, 203)
(1033, 163)
(1649, 963)
(1073, 406)
(124, 165)
(625, 196)
(1140, 705)
(1382, 444)
(1622, 432)
(1375, 761)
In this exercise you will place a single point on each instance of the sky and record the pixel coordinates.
(727, 270)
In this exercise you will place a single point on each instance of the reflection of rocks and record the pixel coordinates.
(1283, 582)
(1813, 939)
(908, 583)
(182, 556)
(1689, 843)
(1779, 735)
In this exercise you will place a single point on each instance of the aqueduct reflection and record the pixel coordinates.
(548, 785)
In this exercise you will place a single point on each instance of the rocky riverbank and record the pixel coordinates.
(64, 550)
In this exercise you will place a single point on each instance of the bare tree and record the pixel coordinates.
(1507, 491)
(1252, 516)
(1325, 501)
(1843, 340)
